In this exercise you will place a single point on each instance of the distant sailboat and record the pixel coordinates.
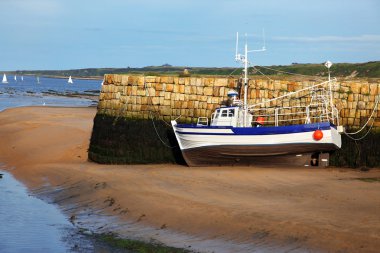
(5, 79)
(22, 78)
(70, 80)
(38, 79)
(15, 78)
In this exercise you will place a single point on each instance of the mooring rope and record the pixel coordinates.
(158, 135)
(373, 111)
(150, 114)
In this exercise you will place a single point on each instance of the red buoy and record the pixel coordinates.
(317, 135)
(260, 120)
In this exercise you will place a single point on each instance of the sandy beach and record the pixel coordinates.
(220, 209)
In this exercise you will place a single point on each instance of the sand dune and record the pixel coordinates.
(221, 209)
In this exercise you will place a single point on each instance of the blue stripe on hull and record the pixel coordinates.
(257, 130)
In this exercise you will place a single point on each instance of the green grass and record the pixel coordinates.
(368, 70)
(137, 246)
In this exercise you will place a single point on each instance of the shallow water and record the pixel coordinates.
(27, 223)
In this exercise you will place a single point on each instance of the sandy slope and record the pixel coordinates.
(225, 209)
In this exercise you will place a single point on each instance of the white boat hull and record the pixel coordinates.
(203, 146)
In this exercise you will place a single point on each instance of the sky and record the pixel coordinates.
(71, 34)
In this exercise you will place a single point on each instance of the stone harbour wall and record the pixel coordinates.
(168, 97)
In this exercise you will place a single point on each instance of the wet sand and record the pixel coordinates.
(221, 209)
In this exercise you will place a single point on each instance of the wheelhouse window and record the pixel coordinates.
(217, 112)
(224, 113)
(231, 112)
(227, 113)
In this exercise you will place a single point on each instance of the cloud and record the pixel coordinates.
(367, 38)
(37, 7)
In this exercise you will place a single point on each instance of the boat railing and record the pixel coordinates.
(277, 116)
(202, 121)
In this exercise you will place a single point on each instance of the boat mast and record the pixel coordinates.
(244, 60)
(328, 65)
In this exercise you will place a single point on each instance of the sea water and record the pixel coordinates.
(29, 92)
(28, 224)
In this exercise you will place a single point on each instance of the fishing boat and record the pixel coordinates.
(70, 80)
(242, 134)
(5, 79)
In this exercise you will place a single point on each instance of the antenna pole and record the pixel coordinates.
(264, 39)
(237, 46)
(245, 81)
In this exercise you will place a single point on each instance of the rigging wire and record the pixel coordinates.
(230, 75)
(262, 73)
(289, 73)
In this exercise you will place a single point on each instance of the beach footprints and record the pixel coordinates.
(110, 201)
(101, 185)
(141, 217)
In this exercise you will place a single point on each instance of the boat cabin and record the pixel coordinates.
(225, 116)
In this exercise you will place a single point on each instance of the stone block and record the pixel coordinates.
(109, 78)
(124, 80)
(199, 82)
(208, 91)
(364, 89)
(208, 81)
(193, 90)
(181, 80)
(155, 100)
(150, 79)
(188, 89)
(373, 89)
(215, 100)
(231, 83)
(221, 82)
(187, 80)
(215, 91)
(165, 110)
(355, 87)
(167, 79)
(169, 87)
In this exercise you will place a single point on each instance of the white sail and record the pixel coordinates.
(70, 80)
(22, 78)
(5, 79)
(38, 79)
(16, 78)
